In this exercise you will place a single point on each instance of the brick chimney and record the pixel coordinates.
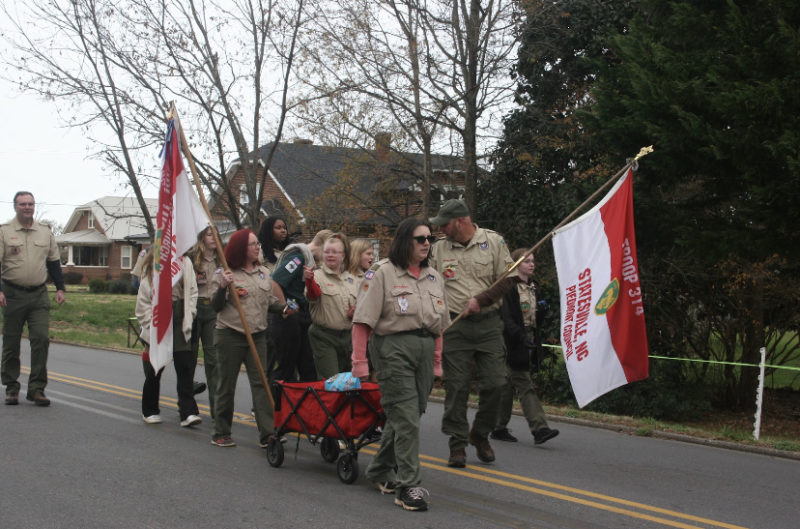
(383, 141)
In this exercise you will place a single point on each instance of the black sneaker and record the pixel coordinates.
(12, 399)
(413, 499)
(542, 435)
(198, 387)
(503, 434)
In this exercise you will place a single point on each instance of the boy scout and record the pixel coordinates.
(470, 260)
(28, 251)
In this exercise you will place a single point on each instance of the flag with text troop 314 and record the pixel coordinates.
(179, 219)
(602, 319)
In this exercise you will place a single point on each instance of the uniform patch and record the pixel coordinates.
(218, 271)
(241, 291)
(484, 245)
(431, 277)
(403, 302)
(449, 272)
(365, 287)
(16, 250)
(350, 280)
(291, 266)
(201, 278)
(261, 275)
(369, 274)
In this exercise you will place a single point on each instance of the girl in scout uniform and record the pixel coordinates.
(402, 305)
(519, 332)
(206, 264)
(254, 287)
(331, 296)
(362, 255)
(274, 237)
(184, 307)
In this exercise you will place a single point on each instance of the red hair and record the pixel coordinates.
(236, 250)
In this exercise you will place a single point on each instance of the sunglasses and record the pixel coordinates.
(422, 238)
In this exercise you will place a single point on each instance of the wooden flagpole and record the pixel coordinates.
(644, 151)
(173, 112)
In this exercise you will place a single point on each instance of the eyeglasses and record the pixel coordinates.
(253, 244)
(422, 238)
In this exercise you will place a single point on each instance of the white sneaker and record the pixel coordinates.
(191, 420)
(152, 419)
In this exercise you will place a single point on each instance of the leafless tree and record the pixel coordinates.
(69, 56)
(222, 62)
(477, 40)
(442, 62)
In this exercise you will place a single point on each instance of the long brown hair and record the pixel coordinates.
(197, 252)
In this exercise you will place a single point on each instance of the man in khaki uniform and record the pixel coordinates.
(470, 259)
(28, 251)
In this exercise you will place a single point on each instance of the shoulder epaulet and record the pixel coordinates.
(379, 263)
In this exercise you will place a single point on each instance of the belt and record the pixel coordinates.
(417, 332)
(203, 301)
(479, 316)
(8, 283)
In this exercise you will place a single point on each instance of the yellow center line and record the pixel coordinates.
(488, 475)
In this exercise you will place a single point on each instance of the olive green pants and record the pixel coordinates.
(33, 308)
(520, 384)
(205, 322)
(474, 341)
(404, 367)
(232, 351)
(332, 350)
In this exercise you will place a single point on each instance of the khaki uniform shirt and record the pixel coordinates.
(255, 293)
(527, 303)
(392, 300)
(339, 292)
(24, 251)
(205, 275)
(471, 269)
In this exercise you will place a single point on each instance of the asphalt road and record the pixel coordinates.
(89, 461)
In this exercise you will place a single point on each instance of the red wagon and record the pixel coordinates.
(342, 422)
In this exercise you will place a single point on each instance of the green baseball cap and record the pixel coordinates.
(451, 209)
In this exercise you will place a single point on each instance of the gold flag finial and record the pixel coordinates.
(644, 151)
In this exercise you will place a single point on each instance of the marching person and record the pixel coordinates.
(402, 305)
(273, 237)
(296, 265)
(254, 287)
(184, 308)
(28, 252)
(522, 341)
(206, 264)
(331, 294)
(362, 255)
(470, 259)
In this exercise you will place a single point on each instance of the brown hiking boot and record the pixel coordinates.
(481, 443)
(458, 458)
(38, 398)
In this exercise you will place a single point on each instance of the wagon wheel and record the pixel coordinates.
(347, 468)
(329, 448)
(275, 452)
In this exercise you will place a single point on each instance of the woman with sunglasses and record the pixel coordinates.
(252, 283)
(331, 297)
(402, 305)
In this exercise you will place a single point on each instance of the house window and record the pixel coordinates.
(126, 257)
(90, 255)
(90, 219)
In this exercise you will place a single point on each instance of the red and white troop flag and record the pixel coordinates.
(602, 319)
(179, 219)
